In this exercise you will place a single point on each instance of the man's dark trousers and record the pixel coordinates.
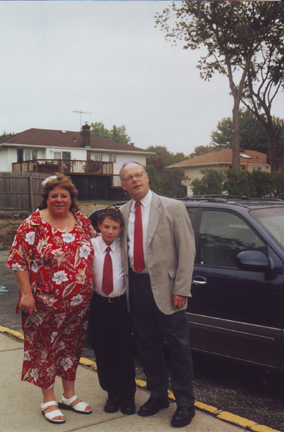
(151, 326)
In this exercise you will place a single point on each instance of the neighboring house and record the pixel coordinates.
(250, 160)
(93, 163)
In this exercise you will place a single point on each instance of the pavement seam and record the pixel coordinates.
(220, 414)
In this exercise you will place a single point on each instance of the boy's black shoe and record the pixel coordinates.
(183, 416)
(152, 406)
(128, 407)
(112, 405)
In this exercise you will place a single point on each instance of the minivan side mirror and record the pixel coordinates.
(253, 261)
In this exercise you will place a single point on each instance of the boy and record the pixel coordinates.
(109, 322)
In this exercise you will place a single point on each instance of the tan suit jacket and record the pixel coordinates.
(170, 250)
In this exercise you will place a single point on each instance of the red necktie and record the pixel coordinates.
(107, 285)
(138, 255)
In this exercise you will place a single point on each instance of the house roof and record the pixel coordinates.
(224, 157)
(66, 139)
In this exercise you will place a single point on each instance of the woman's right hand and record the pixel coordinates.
(27, 304)
(27, 301)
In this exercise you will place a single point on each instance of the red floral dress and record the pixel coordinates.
(60, 271)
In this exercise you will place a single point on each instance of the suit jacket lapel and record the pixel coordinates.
(153, 218)
(126, 212)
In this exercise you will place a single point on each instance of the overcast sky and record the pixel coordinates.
(105, 58)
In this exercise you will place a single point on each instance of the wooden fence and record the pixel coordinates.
(20, 191)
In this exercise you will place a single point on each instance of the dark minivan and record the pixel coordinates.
(236, 308)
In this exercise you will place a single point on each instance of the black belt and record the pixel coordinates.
(109, 299)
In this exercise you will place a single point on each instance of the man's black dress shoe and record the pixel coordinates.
(183, 416)
(112, 405)
(128, 407)
(152, 406)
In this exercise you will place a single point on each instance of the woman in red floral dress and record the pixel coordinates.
(52, 259)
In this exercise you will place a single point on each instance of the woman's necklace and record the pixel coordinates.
(62, 231)
(53, 224)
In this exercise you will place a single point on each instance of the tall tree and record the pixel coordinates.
(253, 135)
(265, 78)
(167, 157)
(200, 150)
(233, 33)
(117, 133)
(6, 135)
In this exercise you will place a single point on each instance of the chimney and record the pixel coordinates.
(86, 136)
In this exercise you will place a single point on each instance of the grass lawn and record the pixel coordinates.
(95, 202)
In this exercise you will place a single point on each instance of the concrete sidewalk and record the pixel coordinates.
(20, 411)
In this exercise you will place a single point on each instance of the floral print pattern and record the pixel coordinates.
(60, 271)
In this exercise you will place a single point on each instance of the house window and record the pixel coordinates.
(258, 168)
(28, 154)
(57, 155)
(112, 157)
(34, 152)
(98, 156)
(20, 155)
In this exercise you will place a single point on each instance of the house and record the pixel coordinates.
(93, 163)
(250, 160)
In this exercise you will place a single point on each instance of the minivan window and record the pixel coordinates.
(272, 220)
(222, 235)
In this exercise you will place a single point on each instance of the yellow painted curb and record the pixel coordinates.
(222, 415)
(259, 428)
(86, 362)
(232, 418)
(204, 407)
(140, 383)
(14, 333)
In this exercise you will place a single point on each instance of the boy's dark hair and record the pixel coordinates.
(111, 212)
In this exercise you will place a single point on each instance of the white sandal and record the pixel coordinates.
(79, 407)
(52, 414)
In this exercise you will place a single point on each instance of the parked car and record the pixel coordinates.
(237, 306)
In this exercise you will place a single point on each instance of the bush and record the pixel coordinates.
(211, 182)
(258, 184)
(240, 183)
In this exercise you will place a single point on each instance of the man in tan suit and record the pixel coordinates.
(158, 291)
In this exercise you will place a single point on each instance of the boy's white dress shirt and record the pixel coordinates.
(117, 269)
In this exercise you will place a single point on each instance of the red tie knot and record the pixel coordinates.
(108, 249)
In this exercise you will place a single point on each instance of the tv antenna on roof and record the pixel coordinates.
(81, 112)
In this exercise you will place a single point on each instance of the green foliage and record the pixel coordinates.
(117, 133)
(223, 136)
(240, 183)
(211, 182)
(167, 157)
(167, 182)
(155, 180)
(6, 135)
(243, 41)
(99, 129)
(200, 150)
(172, 183)
(253, 135)
(256, 184)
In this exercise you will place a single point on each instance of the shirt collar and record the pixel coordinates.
(144, 201)
(102, 245)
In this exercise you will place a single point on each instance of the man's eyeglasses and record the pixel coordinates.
(131, 178)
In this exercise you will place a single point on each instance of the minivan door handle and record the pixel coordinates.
(201, 281)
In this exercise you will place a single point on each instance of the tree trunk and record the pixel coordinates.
(236, 135)
(272, 158)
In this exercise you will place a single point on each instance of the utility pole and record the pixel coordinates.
(81, 112)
